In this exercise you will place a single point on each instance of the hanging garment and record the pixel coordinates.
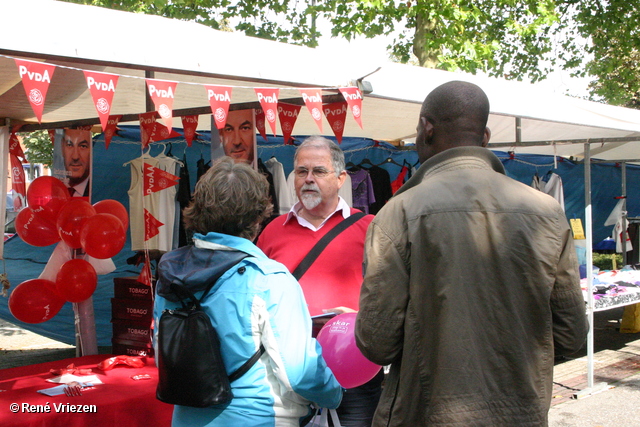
(183, 197)
(397, 183)
(160, 206)
(280, 183)
(362, 189)
(381, 188)
(553, 187)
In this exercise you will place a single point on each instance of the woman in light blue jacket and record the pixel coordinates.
(255, 301)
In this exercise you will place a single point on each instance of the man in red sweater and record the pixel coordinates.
(332, 283)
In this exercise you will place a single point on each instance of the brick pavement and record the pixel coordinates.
(610, 367)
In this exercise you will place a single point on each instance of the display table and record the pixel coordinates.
(615, 288)
(119, 401)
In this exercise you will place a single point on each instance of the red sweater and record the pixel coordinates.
(334, 279)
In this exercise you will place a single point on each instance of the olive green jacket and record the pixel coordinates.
(471, 283)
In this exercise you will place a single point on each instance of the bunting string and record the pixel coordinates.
(37, 76)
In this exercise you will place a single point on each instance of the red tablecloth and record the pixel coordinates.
(120, 401)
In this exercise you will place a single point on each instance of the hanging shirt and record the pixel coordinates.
(362, 190)
(280, 183)
(161, 205)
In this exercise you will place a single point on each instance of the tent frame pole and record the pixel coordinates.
(591, 388)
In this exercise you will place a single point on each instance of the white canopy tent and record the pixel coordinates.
(134, 46)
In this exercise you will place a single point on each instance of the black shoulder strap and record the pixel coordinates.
(322, 243)
(246, 365)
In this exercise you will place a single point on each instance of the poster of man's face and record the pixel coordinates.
(72, 152)
(238, 137)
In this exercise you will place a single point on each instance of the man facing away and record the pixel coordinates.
(332, 282)
(471, 282)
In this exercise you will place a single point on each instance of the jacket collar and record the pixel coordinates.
(451, 158)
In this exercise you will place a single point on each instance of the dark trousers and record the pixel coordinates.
(359, 403)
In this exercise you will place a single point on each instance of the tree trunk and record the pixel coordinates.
(426, 53)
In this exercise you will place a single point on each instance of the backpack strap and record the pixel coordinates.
(246, 365)
(323, 242)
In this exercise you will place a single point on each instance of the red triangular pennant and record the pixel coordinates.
(111, 129)
(189, 126)
(336, 114)
(145, 275)
(156, 179)
(288, 114)
(219, 99)
(102, 87)
(151, 225)
(152, 131)
(260, 123)
(313, 99)
(18, 183)
(14, 146)
(268, 98)
(36, 78)
(353, 96)
(162, 93)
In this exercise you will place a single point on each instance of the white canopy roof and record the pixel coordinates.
(77, 37)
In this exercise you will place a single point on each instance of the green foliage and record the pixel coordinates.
(513, 39)
(38, 147)
(605, 261)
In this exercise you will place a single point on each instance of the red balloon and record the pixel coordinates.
(343, 357)
(46, 195)
(76, 281)
(113, 207)
(71, 218)
(35, 230)
(102, 236)
(35, 301)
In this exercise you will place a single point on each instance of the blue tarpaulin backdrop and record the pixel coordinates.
(111, 180)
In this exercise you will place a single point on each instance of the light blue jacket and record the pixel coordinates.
(256, 301)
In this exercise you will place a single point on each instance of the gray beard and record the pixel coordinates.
(310, 201)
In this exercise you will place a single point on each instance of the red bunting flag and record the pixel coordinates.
(111, 129)
(189, 126)
(145, 275)
(18, 182)
(313, 99)
(162, 93)
(219, 99)
(151, 225)
(52, 135)
(336, 114)
(157, 180)
(288, 114)
(353, 96)
(36, 78)
(102, 87)
(260, 123)
(268, 98)
(152, 131)
(14, 145)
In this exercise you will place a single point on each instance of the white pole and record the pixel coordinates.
(589, 257)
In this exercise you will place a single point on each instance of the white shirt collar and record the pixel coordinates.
(342, 206)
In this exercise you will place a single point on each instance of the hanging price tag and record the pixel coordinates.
(576, 228)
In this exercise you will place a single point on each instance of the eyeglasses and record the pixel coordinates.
(317, 172)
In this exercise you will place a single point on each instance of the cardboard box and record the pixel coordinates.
(132, 309)
(129, 330)
(131, 348)
(130, 288)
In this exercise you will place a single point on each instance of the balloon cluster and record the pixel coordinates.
(344, 358)
(52, 215)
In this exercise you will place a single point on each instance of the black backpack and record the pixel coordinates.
(190, 367)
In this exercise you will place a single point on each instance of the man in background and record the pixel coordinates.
(76, 153)
(332, 282)
(471, 282)
(238, 136)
